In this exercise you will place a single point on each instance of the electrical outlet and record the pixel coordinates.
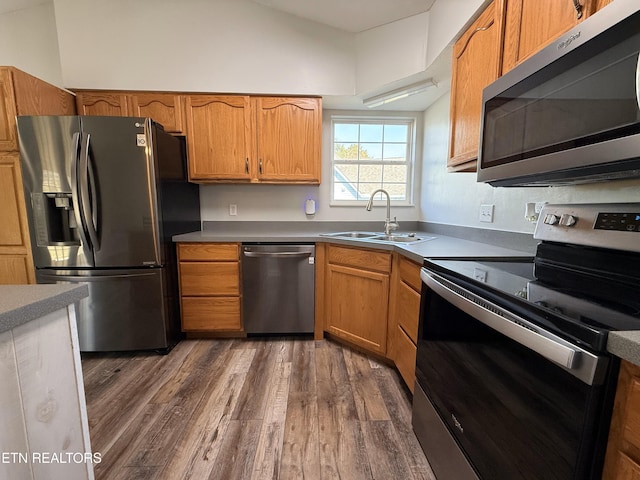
(233, 209)
(539, 206)
(486, 213)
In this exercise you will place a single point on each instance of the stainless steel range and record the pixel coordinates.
(513, 380)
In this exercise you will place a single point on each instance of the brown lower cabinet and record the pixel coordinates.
(210, 287)
(356, 296)
(404, 313)
(371, 298)
(623, 450)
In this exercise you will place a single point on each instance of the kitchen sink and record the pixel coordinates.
(351, 234)
(377, 236)
(401, 238)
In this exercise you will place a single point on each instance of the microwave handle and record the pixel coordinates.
(638, 81)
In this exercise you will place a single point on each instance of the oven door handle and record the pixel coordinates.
(502, 321)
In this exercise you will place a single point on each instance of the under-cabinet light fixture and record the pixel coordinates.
(399, 93)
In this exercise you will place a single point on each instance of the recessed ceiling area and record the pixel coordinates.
(351, 15)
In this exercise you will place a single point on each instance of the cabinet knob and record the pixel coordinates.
(260, 167)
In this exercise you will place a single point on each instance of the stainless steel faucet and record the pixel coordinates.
(388, 224)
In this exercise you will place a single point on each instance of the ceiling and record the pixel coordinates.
(350, 15)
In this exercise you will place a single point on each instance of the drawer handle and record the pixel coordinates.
(277, 254)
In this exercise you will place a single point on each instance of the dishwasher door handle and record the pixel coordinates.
(277, 254)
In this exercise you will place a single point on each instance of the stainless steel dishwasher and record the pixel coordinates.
(278, 288)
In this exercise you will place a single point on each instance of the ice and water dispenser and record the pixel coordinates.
(55, 219)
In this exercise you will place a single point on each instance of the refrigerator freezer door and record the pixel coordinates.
(124, 311)
(119, 191)
(49, 154)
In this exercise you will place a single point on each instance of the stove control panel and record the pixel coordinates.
(622, 222)
(604, 225)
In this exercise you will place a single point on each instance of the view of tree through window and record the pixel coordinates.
(371, 155)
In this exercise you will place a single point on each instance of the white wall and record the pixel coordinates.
(454, 198)
(200, 45)
(391, 52)
(29, 41)
(286, 202)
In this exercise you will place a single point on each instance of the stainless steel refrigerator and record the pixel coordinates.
(104, 196)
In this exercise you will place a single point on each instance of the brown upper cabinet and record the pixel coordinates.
(288, 136)
(165, 108)
(529, 25)
(239, 138)
(102, 103)
(475, 65)
(20, 94)
(506, 33)
(230, 138)
(220, 144)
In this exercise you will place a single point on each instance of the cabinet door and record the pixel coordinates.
(8, 136)
(36, 97)
(106, 104)
(288, 137)
(475, 65)
(15, 270)
(531, 24)
(14, 231)
(356, 306)
(622, 461)
(165, 108)
(16, 265)
(220, 139)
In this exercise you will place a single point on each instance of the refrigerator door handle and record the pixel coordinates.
(153, 192)
(87, 190)
(75, 196)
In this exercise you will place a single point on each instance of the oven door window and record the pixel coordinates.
(515, 414)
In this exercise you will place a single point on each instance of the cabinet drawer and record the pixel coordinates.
(211, 313)
(218, 252)
(406, 358)
(410, 273)
(408, 310)
(209, 278)
(359, 258)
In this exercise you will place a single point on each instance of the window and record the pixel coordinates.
(371, 153)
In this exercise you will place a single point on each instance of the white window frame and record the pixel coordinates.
(411, 121)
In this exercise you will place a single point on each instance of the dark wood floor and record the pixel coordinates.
(250, 409)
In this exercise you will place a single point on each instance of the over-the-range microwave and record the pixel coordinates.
(570, 113)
